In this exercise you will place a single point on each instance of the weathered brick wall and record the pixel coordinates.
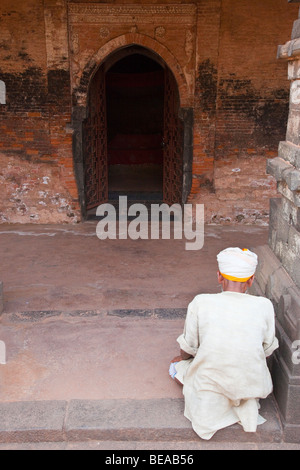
(36, 167)
(240, 106)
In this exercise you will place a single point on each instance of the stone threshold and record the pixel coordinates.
(36, 315)
(119, 420)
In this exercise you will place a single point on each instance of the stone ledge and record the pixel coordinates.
(119, 420)
(289, 50)
(289, 152)
(32, 421)
(284, 171)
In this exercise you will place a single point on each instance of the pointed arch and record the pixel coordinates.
(104, 59)
(126, 40)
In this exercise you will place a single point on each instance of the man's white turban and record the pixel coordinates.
(236, 264)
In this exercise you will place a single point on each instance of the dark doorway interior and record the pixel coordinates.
(135, 128)
(133, 138)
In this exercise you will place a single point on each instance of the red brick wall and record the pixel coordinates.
(36, 165)
(241, 106)
(241, 98)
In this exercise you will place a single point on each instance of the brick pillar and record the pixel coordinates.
(278, 275)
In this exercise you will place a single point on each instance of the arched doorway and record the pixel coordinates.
(133, 138)
(135, 127)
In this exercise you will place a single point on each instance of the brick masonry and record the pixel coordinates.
(241, 106)
(223, 56)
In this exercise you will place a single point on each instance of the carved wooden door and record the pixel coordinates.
(95, 144)
(173, 143)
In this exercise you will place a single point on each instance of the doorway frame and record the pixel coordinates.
(107, 58)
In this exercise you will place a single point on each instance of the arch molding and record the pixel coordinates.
(163, 54)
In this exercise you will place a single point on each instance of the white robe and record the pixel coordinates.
(229, 336)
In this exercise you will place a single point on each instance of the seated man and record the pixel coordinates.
(224, 345)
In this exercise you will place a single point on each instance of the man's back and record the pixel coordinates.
(234, 334)
(223, 349)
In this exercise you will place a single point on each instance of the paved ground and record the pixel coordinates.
(68, 267)
(90, 327)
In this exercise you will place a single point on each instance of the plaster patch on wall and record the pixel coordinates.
(24, 198)
(2, 92)
(241, 195)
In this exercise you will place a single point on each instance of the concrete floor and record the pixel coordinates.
(95, 322)
(91, 319)
(49, 267)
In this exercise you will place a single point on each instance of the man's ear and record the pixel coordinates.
(220, 277)
(250, 281)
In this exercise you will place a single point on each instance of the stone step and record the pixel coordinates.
(119, 420)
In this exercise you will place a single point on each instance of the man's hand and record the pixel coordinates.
(183, 356)
(176, 359)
